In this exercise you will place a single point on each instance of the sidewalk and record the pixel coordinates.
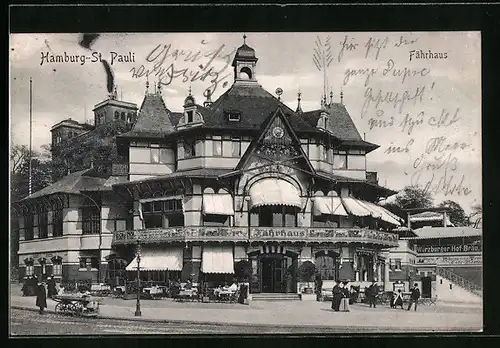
(285, 313)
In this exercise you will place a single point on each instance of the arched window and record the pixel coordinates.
(245, 73)
(326, 267)
(117, 115)
(30, 267)
(123, 116)
(129, 117)
(116, 271)
(57, 266)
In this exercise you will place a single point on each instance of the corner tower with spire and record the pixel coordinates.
(244, 64)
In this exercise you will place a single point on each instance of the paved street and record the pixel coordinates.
(258, 317)
(26, 322)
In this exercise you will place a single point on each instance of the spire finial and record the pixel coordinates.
(208, 95)
(147, 83)
(299, 108)
(189, 90)
(244, 38)
(341, 96)
(159, 87)
(331, 97)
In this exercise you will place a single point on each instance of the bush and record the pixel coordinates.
(306, 271)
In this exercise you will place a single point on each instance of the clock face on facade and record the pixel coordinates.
(278, 132)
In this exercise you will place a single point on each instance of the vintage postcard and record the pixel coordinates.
(250, 183)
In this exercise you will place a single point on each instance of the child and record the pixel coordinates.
(399, 299)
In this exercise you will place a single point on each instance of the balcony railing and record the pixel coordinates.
(254, 234)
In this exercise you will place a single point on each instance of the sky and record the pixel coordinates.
(416, 94)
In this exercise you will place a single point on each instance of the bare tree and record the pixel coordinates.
(476, 216)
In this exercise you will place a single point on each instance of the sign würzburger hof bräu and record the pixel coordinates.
(460, 248)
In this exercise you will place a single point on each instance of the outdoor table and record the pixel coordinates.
(187, 294)
(224, 295)
(154, 291)
(77, 305)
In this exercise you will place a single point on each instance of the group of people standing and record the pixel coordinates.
(41, 289)
(341, 295)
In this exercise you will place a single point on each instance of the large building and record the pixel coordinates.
(444, 260)
(242, 178)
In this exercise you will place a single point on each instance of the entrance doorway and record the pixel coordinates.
(272, 271)
(426, 287)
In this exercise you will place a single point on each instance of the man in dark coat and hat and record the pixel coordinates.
(41, 296)
(415, 295)
(372, 294)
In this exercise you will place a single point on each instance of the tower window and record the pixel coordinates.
(189, 116)
(117, 115)
(123, 116)
(245, 73)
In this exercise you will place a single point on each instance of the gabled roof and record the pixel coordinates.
(278, 117)
(194, 173)
(71, 183)
(341, 123)
(153, 120)
(384, 191)
(254, 104)
(447, 232)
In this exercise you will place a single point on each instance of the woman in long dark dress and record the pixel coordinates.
(51, 287)
(337, 297)
(41, 297)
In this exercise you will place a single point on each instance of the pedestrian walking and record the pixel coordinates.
(373, 294)
(41, 297)
(415, 295)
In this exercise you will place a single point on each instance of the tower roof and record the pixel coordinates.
(154, 118)
(244, 53)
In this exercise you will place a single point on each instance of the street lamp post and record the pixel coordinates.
(138, 304)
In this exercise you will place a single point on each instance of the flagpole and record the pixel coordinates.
(31, 132)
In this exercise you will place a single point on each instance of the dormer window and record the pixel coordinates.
(233, 116)
(189, 116)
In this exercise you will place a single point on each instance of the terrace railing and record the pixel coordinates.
(460, 281)
(253, 234)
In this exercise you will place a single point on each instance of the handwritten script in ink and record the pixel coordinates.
(402, 97)
(167, 63)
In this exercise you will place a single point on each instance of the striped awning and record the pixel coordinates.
(328, 206)
(382, 213)
(218, 204)
(272, 191)
(355, 207)
(217, 259)
(162, 259)
(359, 207)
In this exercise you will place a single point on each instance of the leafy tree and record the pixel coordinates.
(413, 197)
(457, 214)
(98, 147)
